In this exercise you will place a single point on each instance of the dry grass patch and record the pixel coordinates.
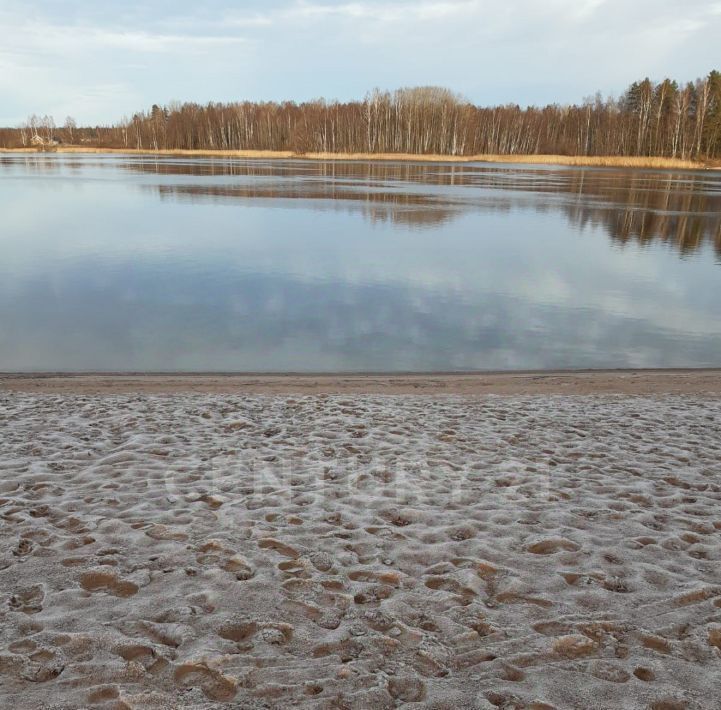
(575, 160)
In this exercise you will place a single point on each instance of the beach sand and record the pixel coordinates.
(513, 541)
(663, 381)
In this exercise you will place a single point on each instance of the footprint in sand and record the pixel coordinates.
(240, 632)
(109, 583)
(172, 635)
(213, 553)
(132, 652)
(669, 704)
(511, 673)
(243, 633)
(312, 688)
(644, 674)
(269, 543)
(36, 664)
(326, 616)
(103, 694)
(347, 650)
(448, 584)
(656, 643)
(551, 545)
(384, 577)
(407, 690)
(322, 561)
(714, 636)
(22, 647)
(23, 548)
(41, 666)
(293, 568)
(143, 655)
(697, 596)
(28, 601)
(239, 567)
(610, 672)
(574, 646)
(214, 684)
(163, 532)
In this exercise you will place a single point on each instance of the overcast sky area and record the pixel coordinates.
(100, 61)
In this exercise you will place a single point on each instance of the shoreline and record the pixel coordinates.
(576, 382)
(569, 160)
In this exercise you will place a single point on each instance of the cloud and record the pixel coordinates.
(384, 12)
(44, 39)
(493, 51)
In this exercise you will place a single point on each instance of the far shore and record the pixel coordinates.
(569, 382)
(573, 160)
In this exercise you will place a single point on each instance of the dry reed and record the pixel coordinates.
(574, 160)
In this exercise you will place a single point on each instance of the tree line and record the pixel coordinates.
(664, 119)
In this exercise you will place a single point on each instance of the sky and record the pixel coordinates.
(101, 61)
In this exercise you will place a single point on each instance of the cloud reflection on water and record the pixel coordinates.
(367, 266)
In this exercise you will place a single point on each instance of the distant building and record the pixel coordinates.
(40, 142)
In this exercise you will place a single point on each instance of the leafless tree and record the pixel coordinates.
(648, 119)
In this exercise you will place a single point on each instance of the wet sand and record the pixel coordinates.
(637, 382)
(361, 541)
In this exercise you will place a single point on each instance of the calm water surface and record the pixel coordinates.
(118, 263)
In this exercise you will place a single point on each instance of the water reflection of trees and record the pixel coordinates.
(378, 206)
(29, 164)
(681, 209)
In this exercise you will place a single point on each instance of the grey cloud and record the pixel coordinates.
(494, 51)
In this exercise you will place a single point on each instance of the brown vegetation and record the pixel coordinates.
(577, 160)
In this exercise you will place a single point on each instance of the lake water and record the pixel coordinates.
(133, 264)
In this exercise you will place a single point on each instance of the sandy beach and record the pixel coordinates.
(450, 541)
(646, 382)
